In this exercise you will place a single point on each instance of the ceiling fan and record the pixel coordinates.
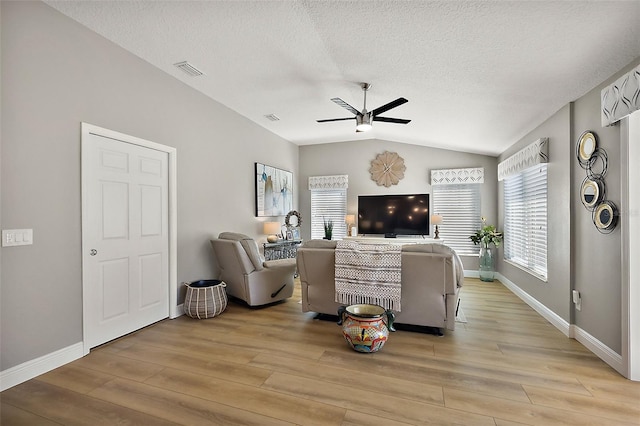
(365, 119)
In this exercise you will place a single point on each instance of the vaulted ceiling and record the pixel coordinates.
(478, 75)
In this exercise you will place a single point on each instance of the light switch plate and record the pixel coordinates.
(17, 237)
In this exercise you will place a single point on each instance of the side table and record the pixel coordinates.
(285, 249)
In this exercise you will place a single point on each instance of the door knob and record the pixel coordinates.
(93, 252)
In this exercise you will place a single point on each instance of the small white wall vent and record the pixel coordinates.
(272, 117)
(189, 69)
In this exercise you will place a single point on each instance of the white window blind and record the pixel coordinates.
(459, 206)
(328, 204)
(525, 219)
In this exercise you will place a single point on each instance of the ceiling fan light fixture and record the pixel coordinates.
(363, 122)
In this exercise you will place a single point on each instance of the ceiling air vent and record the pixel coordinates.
(272, 117)
(189, 69)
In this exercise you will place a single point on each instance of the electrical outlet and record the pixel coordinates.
(577, 299)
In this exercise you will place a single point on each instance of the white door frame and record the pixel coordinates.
(88, 129)
(630, 225)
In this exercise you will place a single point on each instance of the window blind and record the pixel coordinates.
(328, 204)
(459, 206)
(525, 219)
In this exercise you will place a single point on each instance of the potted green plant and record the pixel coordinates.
(487, 236)
(328, 228)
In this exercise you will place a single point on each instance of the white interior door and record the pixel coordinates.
(125, 237)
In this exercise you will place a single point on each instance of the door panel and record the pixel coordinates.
(115, 218)
(151, 210)
(150, 280)
(114, 285)
(114, 160)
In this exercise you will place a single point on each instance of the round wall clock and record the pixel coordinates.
(387, 169)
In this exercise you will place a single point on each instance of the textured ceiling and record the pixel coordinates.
(478, 75)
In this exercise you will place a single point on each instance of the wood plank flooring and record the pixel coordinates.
(278, 366)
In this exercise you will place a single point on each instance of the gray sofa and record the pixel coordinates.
(432, 275)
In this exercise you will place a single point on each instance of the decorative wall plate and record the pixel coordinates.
(387, 169)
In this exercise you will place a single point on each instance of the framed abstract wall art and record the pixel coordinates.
(274, 190)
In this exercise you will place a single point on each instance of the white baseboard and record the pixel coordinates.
(601, 350)
(30, 369)
(557, 321)
(178, 311)
(471, 274)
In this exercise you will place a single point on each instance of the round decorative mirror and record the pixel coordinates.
(586, 145)
(591, 192)
(605, 216)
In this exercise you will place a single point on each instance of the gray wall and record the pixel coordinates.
(598, 257)
(578, 255)
(56, 74)
(553, 293)
(354, 159)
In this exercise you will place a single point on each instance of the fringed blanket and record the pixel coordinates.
(368, 273)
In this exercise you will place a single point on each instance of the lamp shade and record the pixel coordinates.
(436, 219)
(271, 228)
(350, 218)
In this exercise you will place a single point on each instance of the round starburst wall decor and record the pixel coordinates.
(387, 169)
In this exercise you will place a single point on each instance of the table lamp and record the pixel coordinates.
(436, 219)
(272, 229)
(350, 219)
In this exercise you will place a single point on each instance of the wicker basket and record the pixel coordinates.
(205, 298)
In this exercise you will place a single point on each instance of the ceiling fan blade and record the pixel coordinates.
(335, 119)
(391, 120)
(388, 106)
(346, 106)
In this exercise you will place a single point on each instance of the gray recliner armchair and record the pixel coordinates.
(247, 275)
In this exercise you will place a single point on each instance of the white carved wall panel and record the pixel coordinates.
(531, 155)
(328, 182)
(457, 176)
(621, 98)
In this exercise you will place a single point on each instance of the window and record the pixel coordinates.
(459, 206)
(328, 204)
(525, 220)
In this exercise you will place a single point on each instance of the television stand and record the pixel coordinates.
(402, 240)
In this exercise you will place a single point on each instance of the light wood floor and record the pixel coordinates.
(272, 366)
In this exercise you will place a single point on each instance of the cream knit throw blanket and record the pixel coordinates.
(368, 273)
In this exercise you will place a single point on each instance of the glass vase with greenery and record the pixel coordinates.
(486, 237)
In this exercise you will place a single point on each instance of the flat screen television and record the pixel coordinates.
(393, 215)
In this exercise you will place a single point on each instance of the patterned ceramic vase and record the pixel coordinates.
(365, 327)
